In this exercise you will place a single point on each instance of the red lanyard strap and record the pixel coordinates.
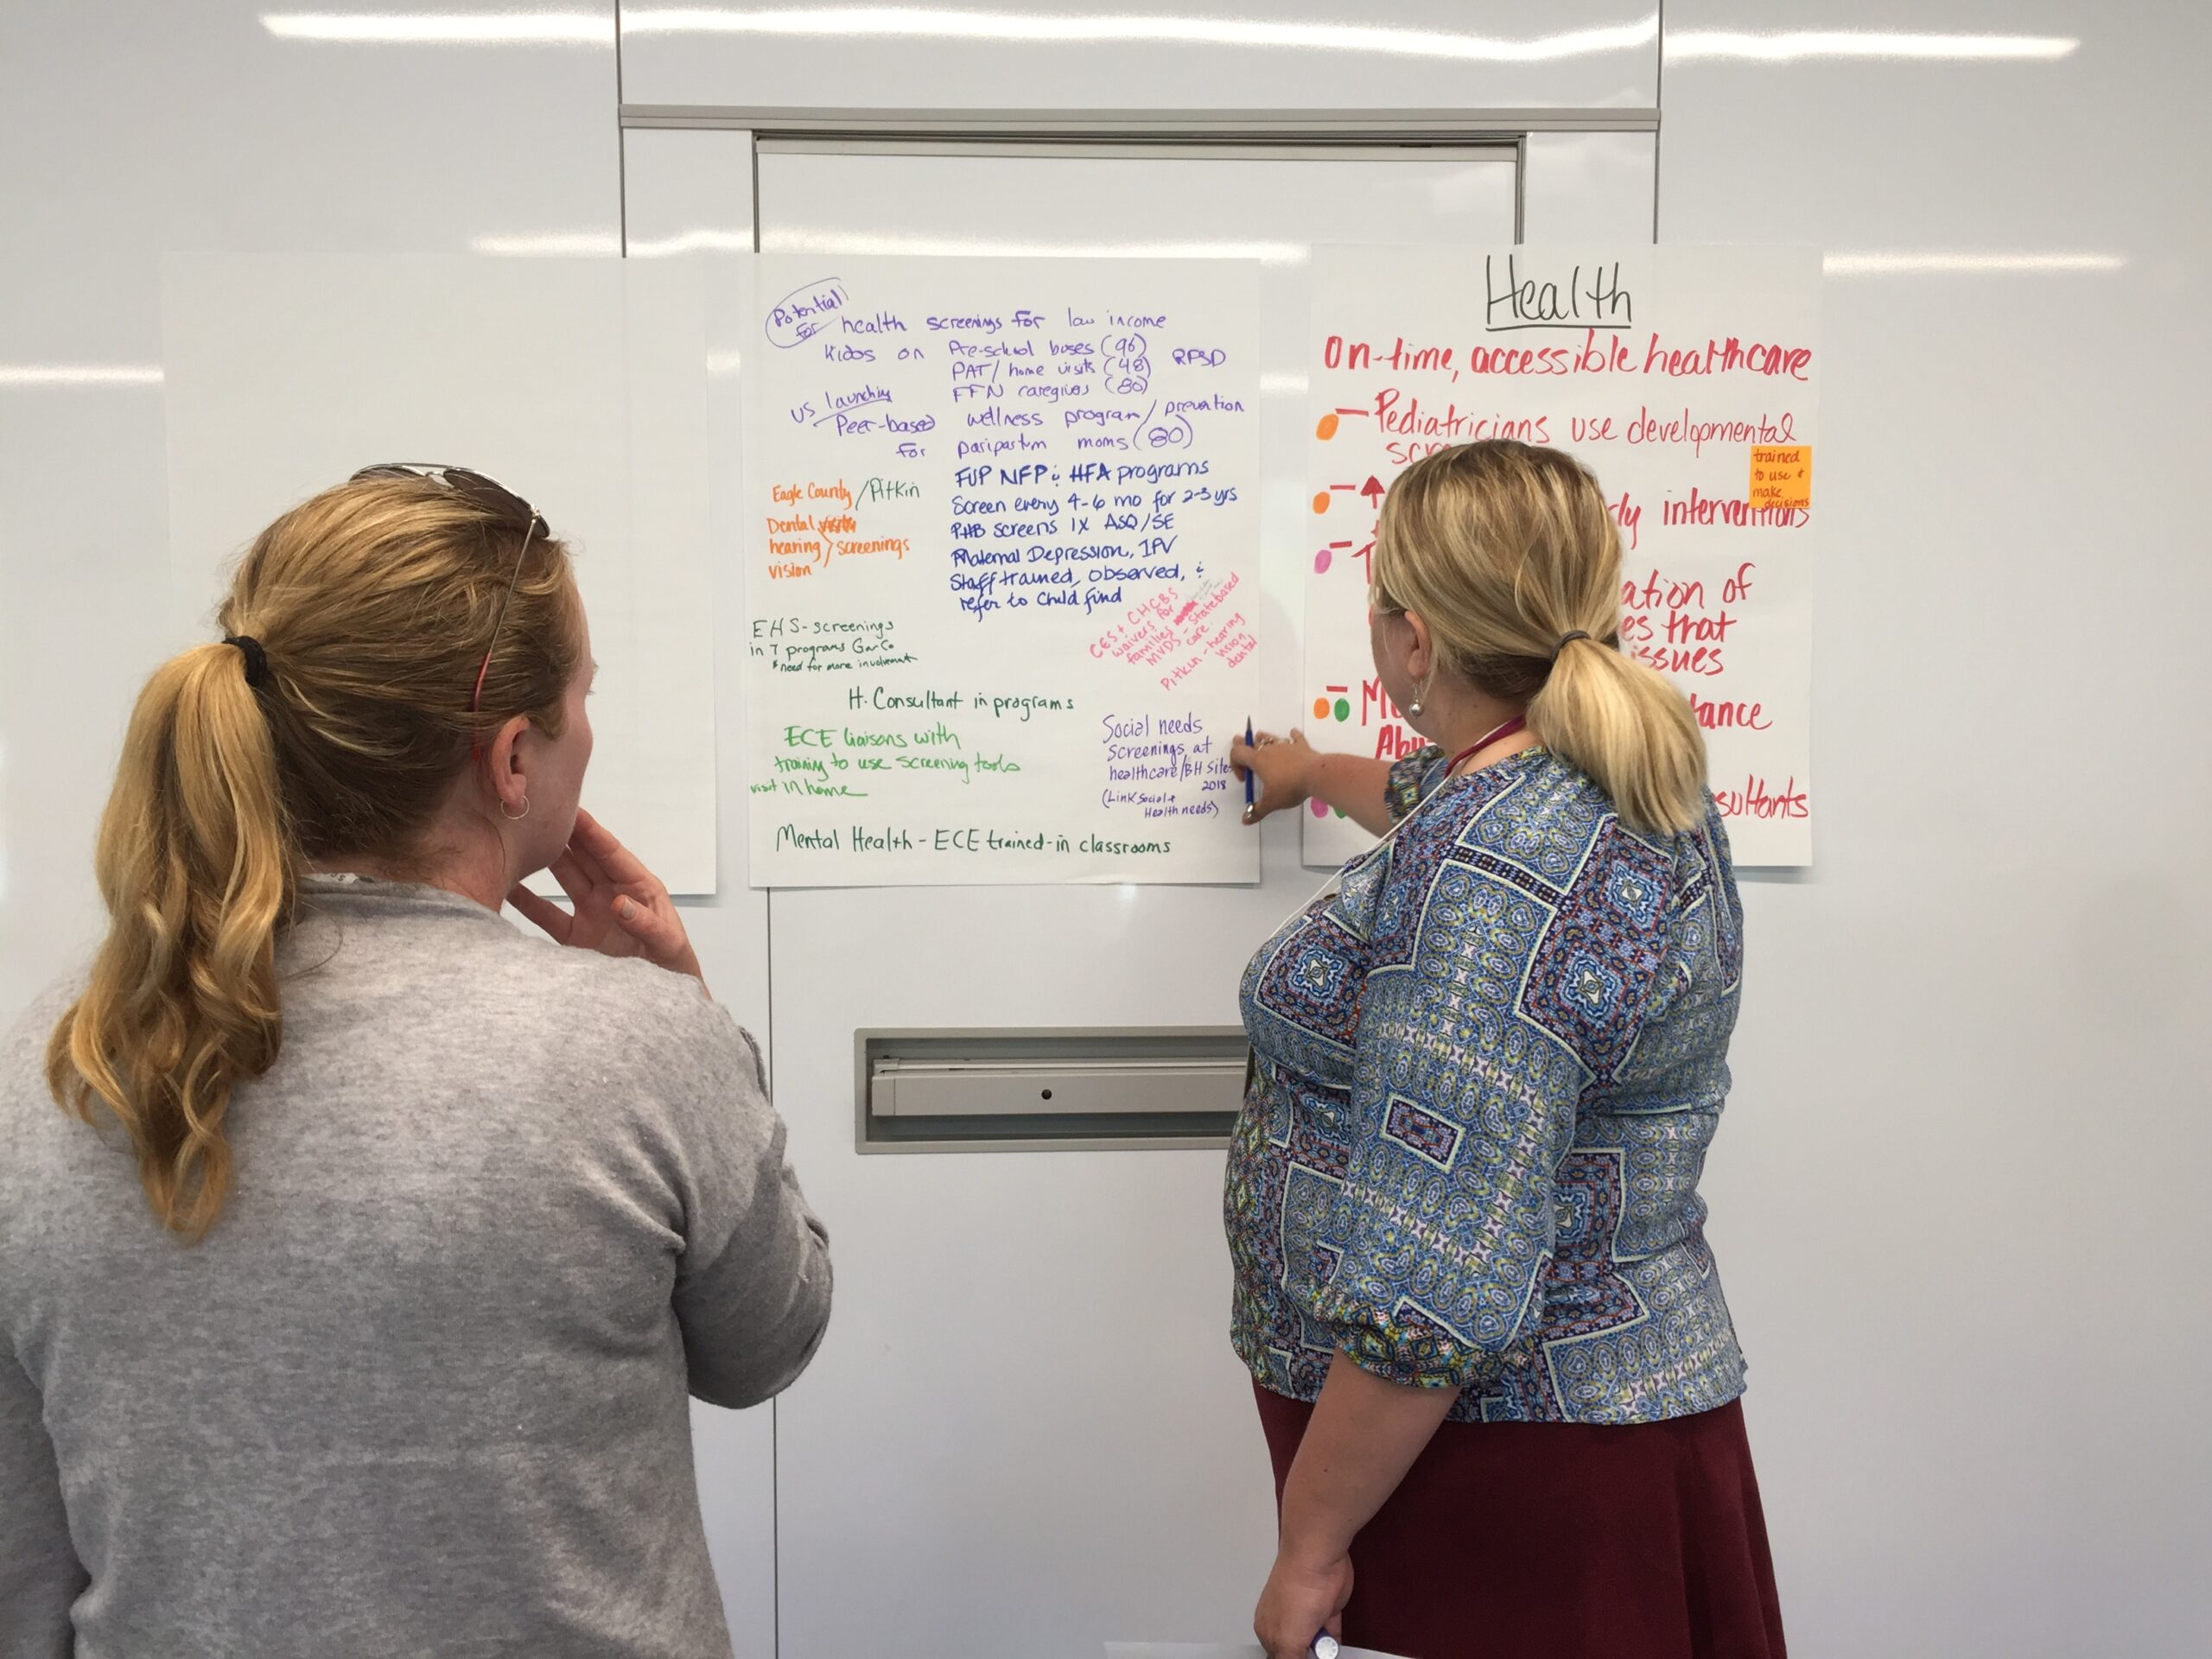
(1518, 723)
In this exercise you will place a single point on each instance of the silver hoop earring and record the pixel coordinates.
(515, 817)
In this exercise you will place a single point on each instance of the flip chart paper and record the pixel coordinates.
(1002, 576)
(1662, 370)
(580, 384)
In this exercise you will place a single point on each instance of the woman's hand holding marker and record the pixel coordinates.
(1282, 767)
(621, 908)
(1300, 1600)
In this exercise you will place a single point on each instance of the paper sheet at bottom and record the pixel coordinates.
(1213, 1651)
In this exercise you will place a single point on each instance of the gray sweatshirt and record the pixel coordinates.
(422, 1390)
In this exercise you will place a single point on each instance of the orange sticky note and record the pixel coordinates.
(1782, 476)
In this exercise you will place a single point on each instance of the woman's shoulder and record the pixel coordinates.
(451, 966)
(1609, 919)
(24, 1043)
(34, 1023)
(43, 1146)
(639, 1002)
(656, 1026)
(1413, 778)
(1538, 820)
(1530, 805)
(623, 1012)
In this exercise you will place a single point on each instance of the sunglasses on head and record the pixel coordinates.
(485, 492)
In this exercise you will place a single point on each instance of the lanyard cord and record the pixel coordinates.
(1518, 723)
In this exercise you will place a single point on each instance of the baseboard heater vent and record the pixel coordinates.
(999, 1090)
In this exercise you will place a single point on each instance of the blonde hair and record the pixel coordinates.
(1505, 550)
(373, 603)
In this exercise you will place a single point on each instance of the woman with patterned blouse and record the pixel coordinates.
(1494, 1366)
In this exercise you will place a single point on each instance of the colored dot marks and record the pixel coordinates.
(1321, 501)
(1326, 428)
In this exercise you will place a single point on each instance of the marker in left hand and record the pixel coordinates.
(1248, 771)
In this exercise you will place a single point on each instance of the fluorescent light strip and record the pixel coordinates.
(926, 22)
(549, 244)
(921, 22)
(701, 241)
(443, 28)
(80, 374)
(1292, 385)
(557, 245)
(866, 242)
(724, 362)
(1794, 46)
(1964, 264)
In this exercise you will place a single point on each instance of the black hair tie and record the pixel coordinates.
(1566, 640)
(257, 659)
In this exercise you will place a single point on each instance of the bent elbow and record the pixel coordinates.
(771, 1365)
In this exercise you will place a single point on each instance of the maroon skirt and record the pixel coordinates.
(1567, 1541)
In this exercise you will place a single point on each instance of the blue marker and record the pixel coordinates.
(1248, 770)
(1324, 1646)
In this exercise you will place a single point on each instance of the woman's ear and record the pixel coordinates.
(1420, 654)
(504, 766)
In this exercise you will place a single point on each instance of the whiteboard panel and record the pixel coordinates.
(1056, 55)
(690, 195)
(1970, 1076)
(135, 131)
(1105, 1461)
(683, 192)
(687, 193)
(580, 384)
(1588, 186)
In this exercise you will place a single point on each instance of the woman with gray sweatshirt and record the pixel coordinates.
(358, 1252)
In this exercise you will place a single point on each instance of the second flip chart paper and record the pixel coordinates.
(1684, 378)
(1003, 588)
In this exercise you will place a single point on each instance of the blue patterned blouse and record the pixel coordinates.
(1486, 1070)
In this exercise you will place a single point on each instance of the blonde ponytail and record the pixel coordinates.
(1632, 733)
(197, 864)
(1509, 554)
(375, 613)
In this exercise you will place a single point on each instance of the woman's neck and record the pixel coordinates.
(460, 855)
(1474, 718)
(481, 885)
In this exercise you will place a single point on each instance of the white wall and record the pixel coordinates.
(129, 130)
(1198, 56)
(1956, 1200)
